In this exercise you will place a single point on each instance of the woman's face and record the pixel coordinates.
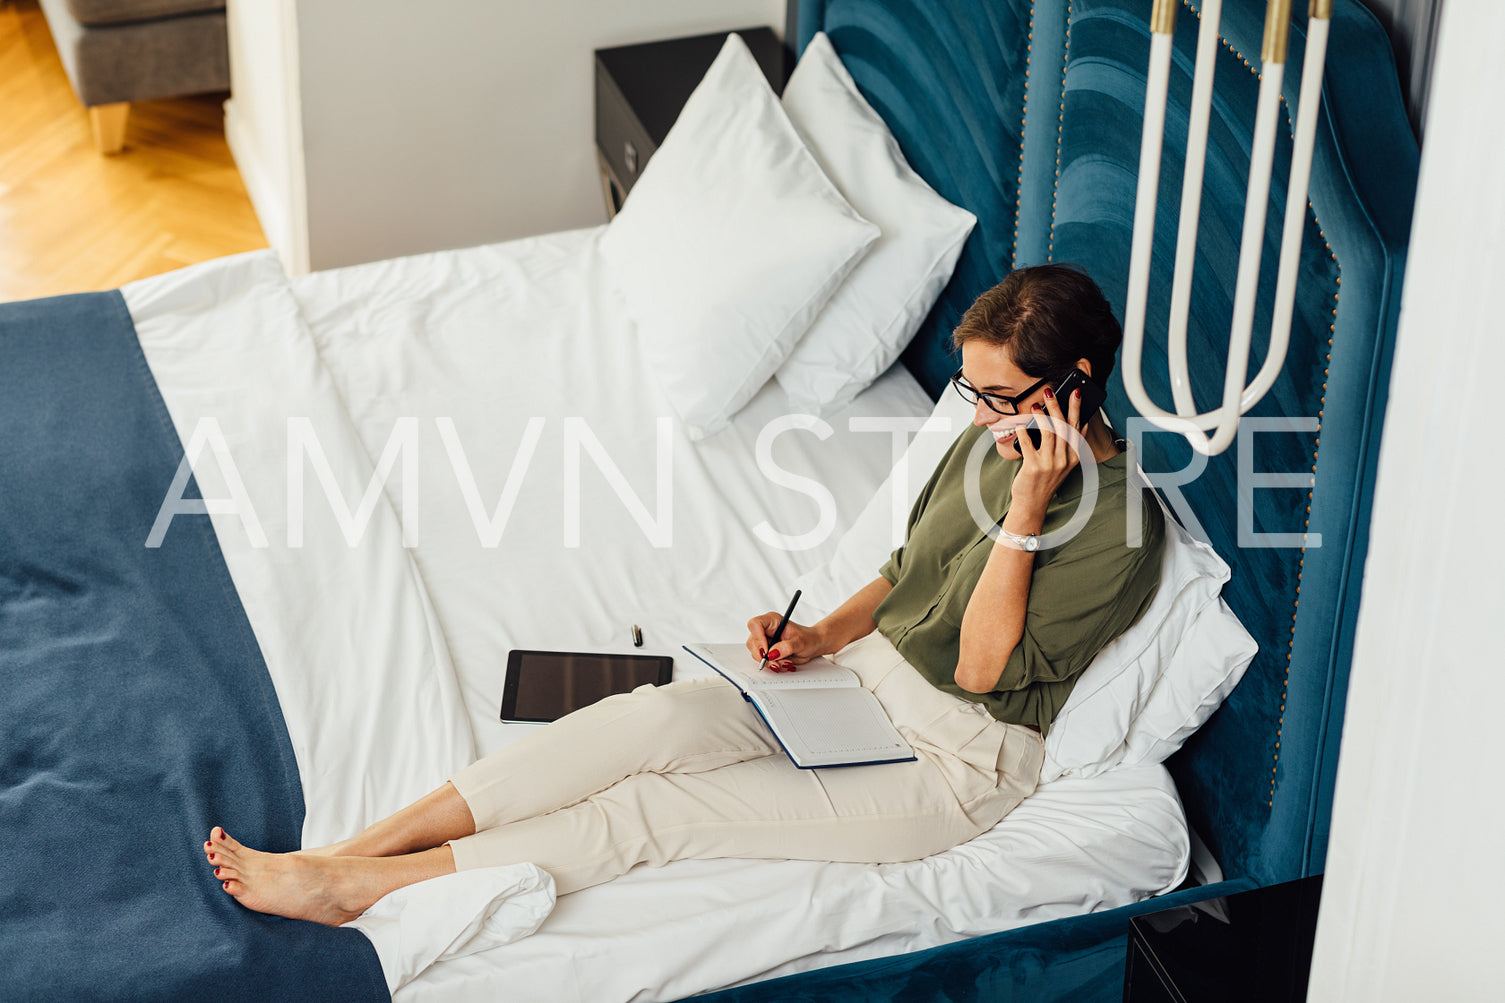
(991, 369)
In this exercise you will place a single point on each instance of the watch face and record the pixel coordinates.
(1031, 543)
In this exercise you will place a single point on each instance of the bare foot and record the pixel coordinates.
(300, 885)
(332, 850)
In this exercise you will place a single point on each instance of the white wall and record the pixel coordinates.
(461, 122)
(263, 121)
(1415, 874)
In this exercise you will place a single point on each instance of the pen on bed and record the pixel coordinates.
(778, 633)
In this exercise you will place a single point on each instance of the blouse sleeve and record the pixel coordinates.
(1082, 599)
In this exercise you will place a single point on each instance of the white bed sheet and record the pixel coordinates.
(493, 336)
(348, 635)
(1075, 846)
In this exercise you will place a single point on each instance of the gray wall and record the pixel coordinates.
(449, 124)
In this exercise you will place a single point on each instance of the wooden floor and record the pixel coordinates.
(72, 220)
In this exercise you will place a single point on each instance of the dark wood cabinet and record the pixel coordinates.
(1254, 946)
(640, 90)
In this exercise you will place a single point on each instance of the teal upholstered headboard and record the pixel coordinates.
(1029, 115)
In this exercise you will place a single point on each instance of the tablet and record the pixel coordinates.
(547, 685)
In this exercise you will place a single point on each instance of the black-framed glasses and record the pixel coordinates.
(999, 403)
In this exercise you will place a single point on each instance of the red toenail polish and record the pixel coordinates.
(211, 856)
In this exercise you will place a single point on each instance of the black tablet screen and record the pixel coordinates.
(546, 685)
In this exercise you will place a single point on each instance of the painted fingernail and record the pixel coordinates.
(773, 654)
(762, 653)
(1037, 407)
(1049, 395)
(1076, 395)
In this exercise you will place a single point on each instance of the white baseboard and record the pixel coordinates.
(285, 231)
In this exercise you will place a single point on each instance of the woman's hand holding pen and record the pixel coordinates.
(798, 645)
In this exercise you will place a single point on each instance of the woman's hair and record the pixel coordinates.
(1048, 317)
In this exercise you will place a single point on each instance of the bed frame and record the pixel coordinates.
(1029, 114)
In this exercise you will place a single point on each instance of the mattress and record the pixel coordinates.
(538, 494)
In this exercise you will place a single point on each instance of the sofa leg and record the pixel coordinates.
(108, 122)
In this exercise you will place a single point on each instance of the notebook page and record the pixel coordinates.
(825, 727)
(733, 660)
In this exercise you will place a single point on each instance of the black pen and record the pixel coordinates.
(778, 633)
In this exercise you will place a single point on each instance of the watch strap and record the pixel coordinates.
(1029, 542)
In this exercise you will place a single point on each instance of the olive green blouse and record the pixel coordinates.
(1083, 593)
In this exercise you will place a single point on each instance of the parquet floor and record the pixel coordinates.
(72, 220)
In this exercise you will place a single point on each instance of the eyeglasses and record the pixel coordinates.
(999, 403)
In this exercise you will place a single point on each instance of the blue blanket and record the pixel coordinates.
(135, 708)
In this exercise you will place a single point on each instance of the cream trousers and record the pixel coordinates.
(690, 770)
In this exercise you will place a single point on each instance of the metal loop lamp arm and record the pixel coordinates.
(1237, 398)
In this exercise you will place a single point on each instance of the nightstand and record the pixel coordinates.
(1254, 946)
(641, 88)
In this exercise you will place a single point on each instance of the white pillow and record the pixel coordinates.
(1146, 691)
(1163, 677)
(1207, 665)
(877, 310)
(729, 244)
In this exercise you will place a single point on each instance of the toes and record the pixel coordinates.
(234, 887)
(222, 847)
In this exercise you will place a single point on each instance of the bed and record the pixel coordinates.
(494, 383)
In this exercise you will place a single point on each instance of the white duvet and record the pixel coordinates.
(503, 376)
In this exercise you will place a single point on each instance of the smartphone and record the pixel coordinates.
(1092, 399)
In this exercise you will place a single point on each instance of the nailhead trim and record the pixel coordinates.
(1301, 565)
(1050, 251)
(1029, 51)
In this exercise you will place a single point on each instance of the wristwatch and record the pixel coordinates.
(1028, 544)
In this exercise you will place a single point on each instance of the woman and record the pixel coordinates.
(971, 638)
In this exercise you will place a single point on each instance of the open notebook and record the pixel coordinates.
(821, 714)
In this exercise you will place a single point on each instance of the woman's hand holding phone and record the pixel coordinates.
(1045, 466)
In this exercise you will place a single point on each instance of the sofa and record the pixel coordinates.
(119, 51)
